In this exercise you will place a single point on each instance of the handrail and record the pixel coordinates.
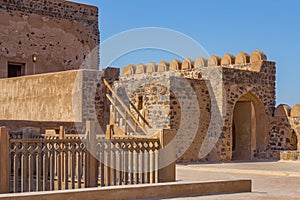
(115, 96)
(139, 115)
(119, 111)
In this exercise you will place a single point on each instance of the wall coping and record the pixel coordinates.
(143, 191)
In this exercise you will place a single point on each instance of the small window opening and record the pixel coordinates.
(15, 69)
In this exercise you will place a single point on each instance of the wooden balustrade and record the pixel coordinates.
(60, 163)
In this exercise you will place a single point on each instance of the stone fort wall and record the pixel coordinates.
(244, 78)
(63, 34)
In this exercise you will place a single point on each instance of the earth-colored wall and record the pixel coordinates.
(68, 98)
(285, 129)
(45, 97)
(63, 35)
(249, 78)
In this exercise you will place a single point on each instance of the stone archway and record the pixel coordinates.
(249, 128)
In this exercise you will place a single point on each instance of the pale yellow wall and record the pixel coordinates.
(45, 97)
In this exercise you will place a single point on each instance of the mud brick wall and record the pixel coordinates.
(51, 100)
(63, 34)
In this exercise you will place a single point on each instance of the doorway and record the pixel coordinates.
(250, 128)
(15, 69)
(242, 131)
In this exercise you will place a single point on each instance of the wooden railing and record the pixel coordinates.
(131, 123)
(37, 164)
(129, 161)
(58, 164)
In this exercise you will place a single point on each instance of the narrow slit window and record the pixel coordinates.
(140, 102)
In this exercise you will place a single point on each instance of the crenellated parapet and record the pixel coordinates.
(285, 129)
(242, 61)
(286, 111)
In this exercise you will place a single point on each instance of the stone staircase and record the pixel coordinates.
(122, 121)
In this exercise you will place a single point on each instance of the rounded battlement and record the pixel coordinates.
(200, 62)
(242, 61)
(257, 55)
(140, 69)
(175, 65)
(129, 69)
(163, 66)
(295, 112)
(187, 64)
(228, 59)
(242, 58)
(282, 110)
(214, 61)
(151, 67)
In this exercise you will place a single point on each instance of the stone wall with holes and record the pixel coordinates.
(154, 94)
(63, 34)
(223, 82)
(285, 128)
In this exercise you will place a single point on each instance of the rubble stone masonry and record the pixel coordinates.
(62, 34)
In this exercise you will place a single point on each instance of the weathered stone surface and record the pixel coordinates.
(56, 99)
(214, 61)
(295, 112)
(175, 65)
(228, 59)
(201, 62)
(162, 107)
(257, 56)
(282, 110)
(163, 66)
(63, 34)
(140, 69)
(241, 62)
(151, 67)
(130, 69)
(242, 58)
(187, 64)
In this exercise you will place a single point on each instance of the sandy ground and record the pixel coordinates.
(270, 180)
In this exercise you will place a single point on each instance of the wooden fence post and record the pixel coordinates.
(62, 156)
(5, 161)
(61, 132)
(91, 167)
(167, 173)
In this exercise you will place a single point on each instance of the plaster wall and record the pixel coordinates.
(64, 35)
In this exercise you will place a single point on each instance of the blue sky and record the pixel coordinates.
(220, 27)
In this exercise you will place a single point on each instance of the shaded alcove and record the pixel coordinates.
(249, 128)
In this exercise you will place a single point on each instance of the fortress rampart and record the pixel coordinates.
(242, 61)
